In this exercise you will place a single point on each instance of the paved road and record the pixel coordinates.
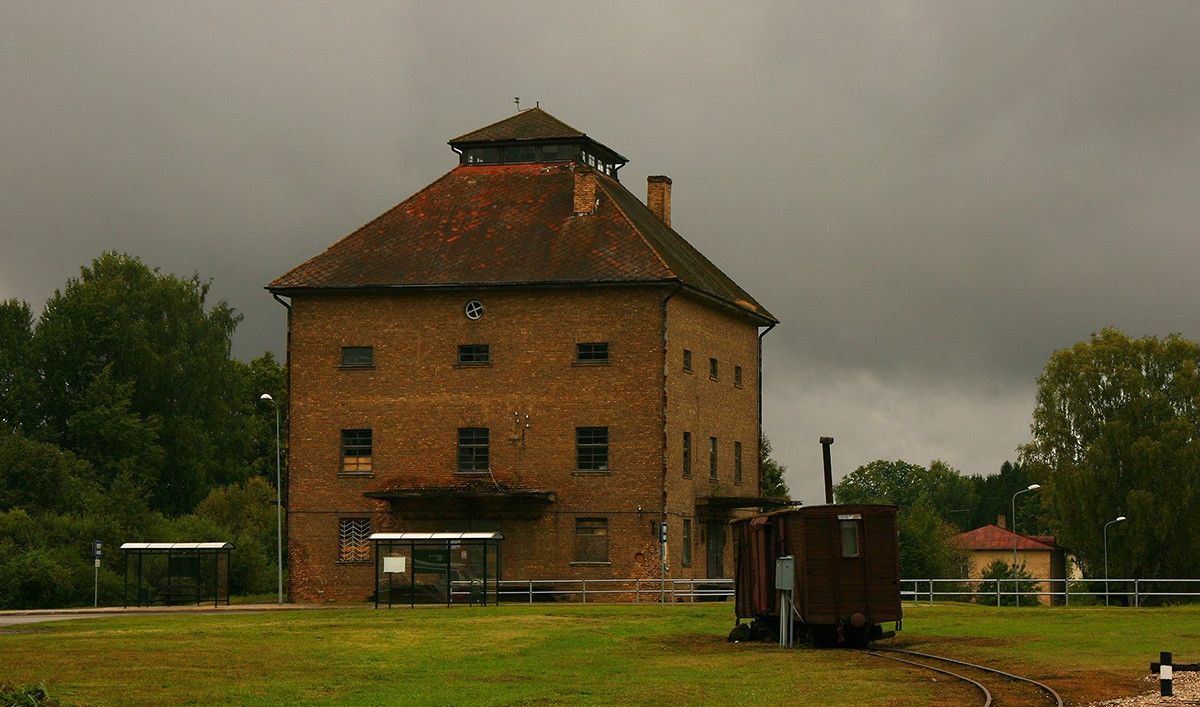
(13, 618)
(38, 618)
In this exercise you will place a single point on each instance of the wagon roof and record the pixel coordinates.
(820, 509)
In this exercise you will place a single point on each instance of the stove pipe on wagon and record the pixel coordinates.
(825, 444)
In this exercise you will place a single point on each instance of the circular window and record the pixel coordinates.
(474, 309)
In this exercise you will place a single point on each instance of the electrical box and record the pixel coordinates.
(785, 573)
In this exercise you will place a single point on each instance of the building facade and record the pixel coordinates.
(525, 347)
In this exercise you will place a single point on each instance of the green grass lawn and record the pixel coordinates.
(593, 654)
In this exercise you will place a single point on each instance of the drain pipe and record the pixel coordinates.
(760, 404)
(287, 362)
(662, 545)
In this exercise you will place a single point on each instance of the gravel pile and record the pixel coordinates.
(1186, 689)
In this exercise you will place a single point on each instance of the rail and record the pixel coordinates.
(588, 591)
(1008, 591)
(1133, 592)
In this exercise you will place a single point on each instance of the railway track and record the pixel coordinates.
(1000, 681)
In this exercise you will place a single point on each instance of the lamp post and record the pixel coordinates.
(1016, 537)
(1118, 519)
(278, 498)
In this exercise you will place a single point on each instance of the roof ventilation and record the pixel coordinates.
(585, 190)
(658, 197)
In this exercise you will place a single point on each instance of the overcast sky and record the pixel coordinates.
(931, 197)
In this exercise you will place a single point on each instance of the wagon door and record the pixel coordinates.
(821, 576)
(852, 564)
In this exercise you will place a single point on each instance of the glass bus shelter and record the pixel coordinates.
(436, 568)
(177, 573)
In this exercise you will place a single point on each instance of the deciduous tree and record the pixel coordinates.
(773, 483)
(1116, 431)
(157, 334)
(923, 495)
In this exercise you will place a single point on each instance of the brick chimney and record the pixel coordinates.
(1000, 521)
(658, 197)
(585, 190)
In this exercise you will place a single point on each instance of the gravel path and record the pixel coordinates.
(1186, 689)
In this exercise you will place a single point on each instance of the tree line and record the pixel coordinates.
(1115, 433)
(124, 417)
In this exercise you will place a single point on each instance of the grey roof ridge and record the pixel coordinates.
(607, 183)
(601, 178)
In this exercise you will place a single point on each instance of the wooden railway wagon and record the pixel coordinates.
(847, 572)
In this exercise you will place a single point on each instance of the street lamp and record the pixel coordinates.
(1118, 519)
(1016, 537)
(278, 498)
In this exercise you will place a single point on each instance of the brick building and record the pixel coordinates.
(521, 346)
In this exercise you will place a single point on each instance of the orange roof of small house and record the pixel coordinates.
(993, 537)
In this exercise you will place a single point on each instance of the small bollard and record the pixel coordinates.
(1166, 667)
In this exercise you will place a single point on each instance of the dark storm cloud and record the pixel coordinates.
(932, 197)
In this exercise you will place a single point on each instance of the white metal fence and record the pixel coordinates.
(1134, 592)
(589, 591)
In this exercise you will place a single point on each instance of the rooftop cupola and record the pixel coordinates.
(533, 135)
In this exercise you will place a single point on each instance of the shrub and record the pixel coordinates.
(1010, 581)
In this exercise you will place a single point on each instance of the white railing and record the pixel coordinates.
(925, 591)
(586, 591)
(997, 590)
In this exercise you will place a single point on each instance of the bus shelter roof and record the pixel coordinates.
(435, 537)
(177, 547)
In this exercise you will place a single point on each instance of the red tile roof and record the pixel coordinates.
(531, 124)
(993, 537)
(515, 225)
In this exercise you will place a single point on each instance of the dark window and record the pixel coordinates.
(850, 535)
(353, 543)
(591, 353)
(472, 449)
(687, 541)
(737, 376)
(519, 153)
(712, 368)
(687, 453)
(474, 353)
(591, 448)
(358, 356)
(712, 458)
(483, 155)
(591, 540)
(356, 451)
(737, 462)
(687, 360)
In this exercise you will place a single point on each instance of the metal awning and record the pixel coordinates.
(177, 547)
(410, 537)
(472, 495)
(432, 503)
